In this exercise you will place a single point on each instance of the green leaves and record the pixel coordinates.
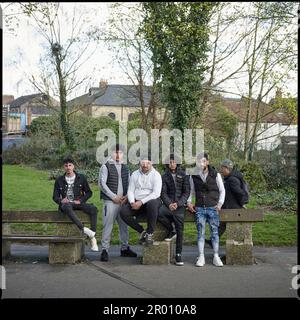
(177, 35)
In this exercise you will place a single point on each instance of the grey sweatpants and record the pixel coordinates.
(110, 213)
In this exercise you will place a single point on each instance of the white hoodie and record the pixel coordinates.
(144, 186)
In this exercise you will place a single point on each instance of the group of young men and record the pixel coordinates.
(159, 198)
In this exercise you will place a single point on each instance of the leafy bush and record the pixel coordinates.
(46, 125)
(278, 199)
(253, 175)
(91, 174)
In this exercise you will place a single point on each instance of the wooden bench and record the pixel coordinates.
(66, 245)
(239, 244)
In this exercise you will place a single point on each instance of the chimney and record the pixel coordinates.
(278, 94)
(103, 83)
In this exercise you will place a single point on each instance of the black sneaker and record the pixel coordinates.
(143, 237)
(104, 256)
(128, 253)
(178, 260)
(171, 236)
(208, 242)
(148, 239)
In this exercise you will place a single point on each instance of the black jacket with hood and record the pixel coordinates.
(233, 191)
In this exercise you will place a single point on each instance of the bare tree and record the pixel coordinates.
(130, 53)
(67, 50)
(256, 43)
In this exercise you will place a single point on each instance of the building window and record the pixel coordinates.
(112, 115)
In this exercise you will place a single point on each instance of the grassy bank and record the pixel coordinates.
(25, 188)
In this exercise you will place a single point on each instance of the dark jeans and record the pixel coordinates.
(150, 209)
(90, 209)
(166, 217)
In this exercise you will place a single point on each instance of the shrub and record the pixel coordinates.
(253, 175)
(91, 174)
(279, 199)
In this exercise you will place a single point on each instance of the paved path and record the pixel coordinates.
(28, 275)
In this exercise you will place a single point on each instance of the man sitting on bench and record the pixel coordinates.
(143, 198)
(174, 194)
(71, 191)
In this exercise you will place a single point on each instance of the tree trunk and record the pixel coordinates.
(64, 121)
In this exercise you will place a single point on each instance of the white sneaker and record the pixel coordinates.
(200, 261)
(217, 261)
(94, 246)
(89, 232)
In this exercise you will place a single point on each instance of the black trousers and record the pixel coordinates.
(90, 209)
(166, 217)
(150, 209)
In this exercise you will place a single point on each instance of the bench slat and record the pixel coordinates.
(41, 217)
(24, 238)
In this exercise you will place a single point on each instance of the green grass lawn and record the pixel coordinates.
(25, 188)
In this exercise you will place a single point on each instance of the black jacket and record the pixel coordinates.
(178, 194)
(81, 190)
(233, 191)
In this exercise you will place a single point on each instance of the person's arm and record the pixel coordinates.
(192, 190)
(56, 193)
(221, 190)
(157, 186)
(103, 174)
(87, 192)
(164, 194)
(131, 188)
(186, 192)
(235, 187)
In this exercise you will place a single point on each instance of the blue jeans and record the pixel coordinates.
(211, 216)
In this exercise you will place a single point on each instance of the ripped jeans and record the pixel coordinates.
(211, 216)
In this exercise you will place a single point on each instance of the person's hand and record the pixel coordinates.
(136, 205)
(173, 206)
(124, 200)
(77, 201)
(218, 208)
(117, 200)
(65, 200)
(191, 207)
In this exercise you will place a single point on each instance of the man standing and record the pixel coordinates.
(143, 197)
(208, 187)
(174, 194)
(113, 181)
(235, 195)
(71, 191)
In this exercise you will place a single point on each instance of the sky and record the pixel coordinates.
(23, 49)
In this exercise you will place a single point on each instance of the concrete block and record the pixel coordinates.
(160, 232)
(158, 253)
(65, 252)
(239, 231)
(6, 230)
(239, 252)
(5, 249)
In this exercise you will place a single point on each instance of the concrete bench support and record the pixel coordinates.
(161, 252)
(239, 245)
(6, 244)
(65, 252)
